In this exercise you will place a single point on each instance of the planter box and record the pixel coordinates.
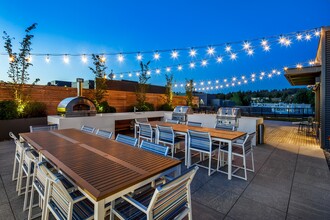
(19, 126)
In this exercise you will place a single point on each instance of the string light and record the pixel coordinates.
(11, 58)
(210, 51)
(84, 58)
(246, 45)
(250, 52)
(204, 62)
(233, 56)
(103, 59)
(266, 48)
(298, 66)
(219, 59)
(120, 58)
(139, 57)
(174, 54)
(47, 59)
(192, 53)
(192, 65)
(158, 71)
(228, 48)
(179, 67)
(156, 56)
(299, 37)
(66, 59)
(168, 69)
(29, 59)
(308, 37)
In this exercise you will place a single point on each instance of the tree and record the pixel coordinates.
(19, 65)
(236, 98)
(143, 86)
(168, 89)
(189, 92)
(100, 80)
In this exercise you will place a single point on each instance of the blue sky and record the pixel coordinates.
(79, 27)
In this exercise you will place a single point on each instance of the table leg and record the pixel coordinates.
(99, 209)
(186, 149)
(177, 171)
(229, 159)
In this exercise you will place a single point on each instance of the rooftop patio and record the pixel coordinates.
(291, 181)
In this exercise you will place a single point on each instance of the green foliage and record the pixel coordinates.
(168, 89)
(8, 110)
(142, 85)
(236, 98)
(189, 92)
(100, 81)
(166, 107)
(147, 106)
(104, 107)
(19, 64)
(35, 109)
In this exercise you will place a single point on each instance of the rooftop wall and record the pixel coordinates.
(121, 100)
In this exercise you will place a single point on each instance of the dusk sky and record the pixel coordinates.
(114, 27)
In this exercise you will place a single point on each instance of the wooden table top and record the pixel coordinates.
(223, 134)
(101, 167)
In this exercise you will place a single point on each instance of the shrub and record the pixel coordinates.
(35, 109)
(147, 106)
(104, 107)
(8, 110)
(166, 107)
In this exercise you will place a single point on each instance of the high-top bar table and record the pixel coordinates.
(103, 169)
(216, 135)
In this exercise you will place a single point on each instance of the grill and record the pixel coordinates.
(227, 118)
(78, 106)
(180, 113)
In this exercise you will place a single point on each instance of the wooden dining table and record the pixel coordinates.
(103, 169)
(216, 135)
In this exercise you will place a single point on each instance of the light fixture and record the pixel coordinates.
(204, 62)
(219, 59)
(103, 59)
(156, 56)
(192, 53)
(168, 69)
(250, 52)
(192, 65)
(308, 37)
(228, 48)
(139, 57)
(233, 56)
(210, 51)
(120, 58)
(66, 58)
(47, 58)
(157, 71)
(174, 54)
(299, 37)
(179, 67)
(84, 58)
(246, 45)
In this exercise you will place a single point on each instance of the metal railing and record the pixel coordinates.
(276, 112)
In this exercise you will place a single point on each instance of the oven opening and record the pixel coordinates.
(81, 107)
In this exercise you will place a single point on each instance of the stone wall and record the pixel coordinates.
(52, 95)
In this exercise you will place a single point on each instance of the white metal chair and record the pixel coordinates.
(154, 148)
(30, 158)
(34, 128)
(172, 121)
(145, 132)
(239, 149)
(202, 143)
(104, 133)
(137, 121)
(166, 136)
(64, 204)
(40, 185)
(169, 201)
(193, 123)
(127, 140)
(19, 150)
(87, 129)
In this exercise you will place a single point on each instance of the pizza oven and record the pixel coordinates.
(78, 106)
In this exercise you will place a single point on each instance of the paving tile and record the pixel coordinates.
(17, 207)
(309, 202)
(224, 202)
(3, 195)
(201, 211)
(249, 209)
(268, 196)
(279, 184)
(220, 183)
(320, 182)
(276, 172)
(6, 212)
